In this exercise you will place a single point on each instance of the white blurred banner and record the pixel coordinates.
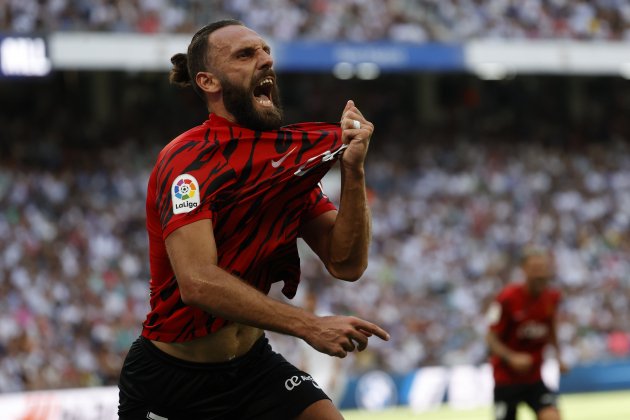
(461, 387)
(71, 404)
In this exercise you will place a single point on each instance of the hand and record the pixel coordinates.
(338, 335)
(564, 368)
(357, 139)
(520, 362)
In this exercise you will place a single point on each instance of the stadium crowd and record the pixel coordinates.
(451, 211)
(355, 20)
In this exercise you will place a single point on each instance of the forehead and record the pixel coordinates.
(538, 263)
(234, 37)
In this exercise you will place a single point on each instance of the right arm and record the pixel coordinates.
(520, 362)
(203, 284)
(498, 319)
(553, 339)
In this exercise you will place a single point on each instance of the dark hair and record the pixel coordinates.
(186, 66)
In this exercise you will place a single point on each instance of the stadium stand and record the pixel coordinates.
(355, 20)
(452, 201)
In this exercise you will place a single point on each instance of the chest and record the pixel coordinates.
(531, 319)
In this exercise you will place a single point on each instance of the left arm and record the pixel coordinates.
(342, 239)
(553, 340)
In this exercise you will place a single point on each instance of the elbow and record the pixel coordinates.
(491, 342)
(188, 297)
(190, 293)
(347, 272)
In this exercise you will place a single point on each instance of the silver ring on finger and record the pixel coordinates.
(356, 124)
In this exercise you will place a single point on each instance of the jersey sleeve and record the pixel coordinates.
(318, 204)
(190, 177)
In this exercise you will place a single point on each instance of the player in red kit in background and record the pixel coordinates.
(226, 202)
(522, 322)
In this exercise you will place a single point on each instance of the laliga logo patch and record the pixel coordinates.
(185, 194)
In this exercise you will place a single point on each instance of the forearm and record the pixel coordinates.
(497, 347)
(351, 233)
(224, 295)
(556, 346)
(204, 285)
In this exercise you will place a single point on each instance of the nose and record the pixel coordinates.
(265, 61)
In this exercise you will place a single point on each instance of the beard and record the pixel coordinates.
(239, 102)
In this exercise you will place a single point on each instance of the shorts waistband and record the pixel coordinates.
(257, 348)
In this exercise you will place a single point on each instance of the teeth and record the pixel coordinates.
(264, 101)
(268, 81)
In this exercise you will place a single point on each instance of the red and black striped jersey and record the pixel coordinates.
(257, 187)
(523, 323)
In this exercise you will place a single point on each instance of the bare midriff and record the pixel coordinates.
(231, 341)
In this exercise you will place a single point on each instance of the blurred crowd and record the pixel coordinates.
(447, 234)
(452, 208)
(73, 272)
(354, 20)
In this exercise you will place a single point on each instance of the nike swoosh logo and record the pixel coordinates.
(276, 163)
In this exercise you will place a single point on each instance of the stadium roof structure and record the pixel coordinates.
(91, 51)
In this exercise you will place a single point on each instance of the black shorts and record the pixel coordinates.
(507, 398)
(261, 384)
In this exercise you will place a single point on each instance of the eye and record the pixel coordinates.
(244, 53)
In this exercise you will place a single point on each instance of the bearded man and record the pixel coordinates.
(226, 202)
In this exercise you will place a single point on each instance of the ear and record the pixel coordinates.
(208, 82)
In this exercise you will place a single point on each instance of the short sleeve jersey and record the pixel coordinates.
(258, 188)
(523, 323)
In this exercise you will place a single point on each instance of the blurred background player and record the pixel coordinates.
(522, 322)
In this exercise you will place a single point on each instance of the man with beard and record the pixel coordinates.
(226, 202)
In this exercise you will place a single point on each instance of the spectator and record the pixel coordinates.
(449, 213)
(354, 20)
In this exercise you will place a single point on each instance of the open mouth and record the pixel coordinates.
(262, 92)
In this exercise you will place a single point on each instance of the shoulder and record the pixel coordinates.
(194, 157)
(553, 294)
(191, 150)
(509, 292)
(196, 137)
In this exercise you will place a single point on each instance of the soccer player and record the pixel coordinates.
(522, 322)
(226, 202)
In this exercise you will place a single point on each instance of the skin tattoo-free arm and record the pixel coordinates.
(193, 255)
(520, 362)
(341, 239)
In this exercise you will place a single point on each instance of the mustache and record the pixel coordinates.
(264, 74)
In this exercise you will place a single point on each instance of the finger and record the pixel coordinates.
(351, 124)
(371, 328)
(340, 354)
(353, 115)
(360, 339)
(347, 108)
(357, 111)
(348, 122)
(348, 345)
(349, 105)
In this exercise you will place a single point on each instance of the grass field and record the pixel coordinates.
(592, 406)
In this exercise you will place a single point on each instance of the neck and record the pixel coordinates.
(217, 108)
